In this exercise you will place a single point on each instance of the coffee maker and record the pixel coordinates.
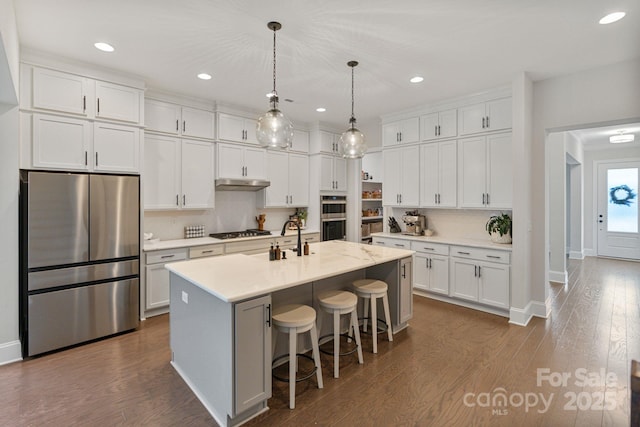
(415, 224)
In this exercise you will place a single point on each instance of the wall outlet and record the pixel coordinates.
(185, 297)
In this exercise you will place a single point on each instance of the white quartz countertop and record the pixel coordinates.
(200, 241)
(236, 277)
(462, 241)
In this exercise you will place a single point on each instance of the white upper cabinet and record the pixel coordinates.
(68, 93)
(178, 120)
(66, 143)
(401, 177)
(61, 142)
(300, 141)
(401, 132)
(236, 161)
(326, 143)
(438, 174)
(237, 129)
(289, 177)
(178, 174)
(485, 174)
(57, 91)
(484, 117)
(333, 173)
(438, 125)
(117, 102)
(116, 148)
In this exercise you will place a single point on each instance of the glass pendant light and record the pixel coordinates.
(274, 130)
(352, 140)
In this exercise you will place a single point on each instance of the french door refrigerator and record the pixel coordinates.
(79, 258)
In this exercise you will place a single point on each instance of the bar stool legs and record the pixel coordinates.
(370, 290)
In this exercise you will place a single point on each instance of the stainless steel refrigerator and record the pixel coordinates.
(79, 258)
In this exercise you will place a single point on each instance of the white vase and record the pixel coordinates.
(497, 238)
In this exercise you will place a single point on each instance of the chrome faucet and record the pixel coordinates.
(284, 228)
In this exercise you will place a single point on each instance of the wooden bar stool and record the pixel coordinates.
(372, 289)
(294, 319)
(338, 303)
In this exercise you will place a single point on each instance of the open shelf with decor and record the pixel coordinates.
(372, 214)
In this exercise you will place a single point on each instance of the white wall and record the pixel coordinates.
(609, 94)
(556, 164)
(590, 185)
(9, 143)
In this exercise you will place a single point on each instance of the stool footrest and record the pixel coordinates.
(303, 377)
(379, 329)
(345, 353)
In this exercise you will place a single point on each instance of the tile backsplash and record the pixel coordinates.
(235, 210)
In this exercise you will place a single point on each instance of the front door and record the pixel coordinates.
(617, 213)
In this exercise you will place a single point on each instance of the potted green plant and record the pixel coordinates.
(302, 217)
(499, 228)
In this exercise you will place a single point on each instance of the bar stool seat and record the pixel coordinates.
(295, 319)
(338, 303)
(372, 289)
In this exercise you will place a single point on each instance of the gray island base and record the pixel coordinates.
(221, 337)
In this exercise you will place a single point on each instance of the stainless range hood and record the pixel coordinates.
(228, 184)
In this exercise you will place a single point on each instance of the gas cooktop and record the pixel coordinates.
(236, 234)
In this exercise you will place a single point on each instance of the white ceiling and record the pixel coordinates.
(598, 138)
(458, 46)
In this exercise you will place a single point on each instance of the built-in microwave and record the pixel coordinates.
(334, 217)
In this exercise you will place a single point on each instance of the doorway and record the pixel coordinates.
(618, 221)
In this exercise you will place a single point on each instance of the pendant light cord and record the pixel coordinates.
(274, 98)
(352, 120)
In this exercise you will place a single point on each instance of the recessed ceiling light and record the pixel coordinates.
(621, 137)
(105, 47)
(321, 109)
(204, 76)
(416, 79)
(612, 17)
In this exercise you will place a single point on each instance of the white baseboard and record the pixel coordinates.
(558, 276)
(10, 352)
(576, 254)
(589, 252)
(541, 309)
(520, 317)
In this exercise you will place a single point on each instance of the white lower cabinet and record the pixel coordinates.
(431, 267)
(157, 277)
(474, 279)
(252, 354)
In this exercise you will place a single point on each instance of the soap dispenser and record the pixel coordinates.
(272, 254)
(306, 248)
(278, 252)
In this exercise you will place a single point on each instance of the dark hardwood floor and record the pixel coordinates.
(450, 368)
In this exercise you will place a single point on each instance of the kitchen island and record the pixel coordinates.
(220, 324)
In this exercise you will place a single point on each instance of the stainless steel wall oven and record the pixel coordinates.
(333, 217)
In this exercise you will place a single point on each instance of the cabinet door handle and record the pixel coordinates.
(291, 199)
(487, 198)
(96, 158)
(483, 198)
(400, 136)
(483, 120)
(438, 198)
(166, 256)
(86, 158)
(435, 130)
(207, 252)
(269, 315)
(98, 105)
(479, 271)
(464, 253)
(488, 122)
(475, 271)
(177, 200)
(177, 125)
(439, 131)
(400, 198)
(435, 198)
(493, 256)
(84, 103)
(404, 271)
(184, 126)
(184, 200)
(400, 245)
(428, 249)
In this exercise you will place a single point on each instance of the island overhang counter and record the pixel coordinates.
(220, 314)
